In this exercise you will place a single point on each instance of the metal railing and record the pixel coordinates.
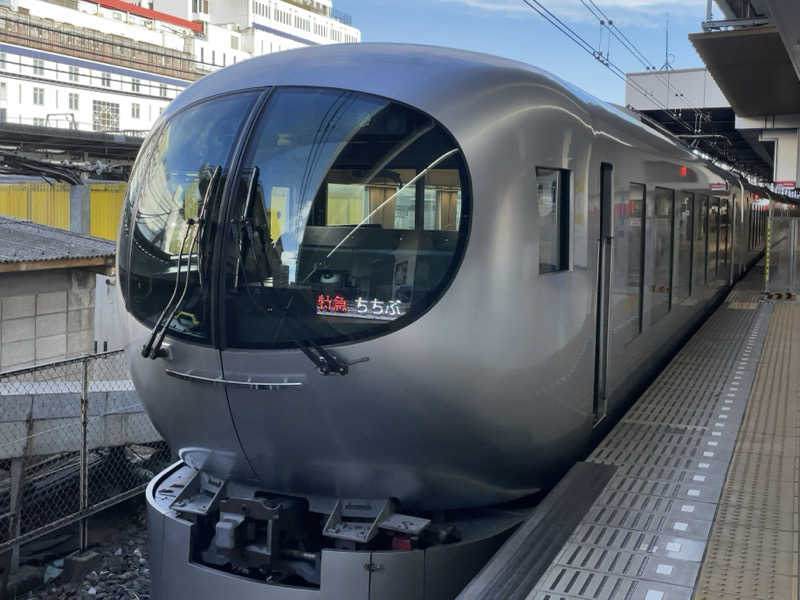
(74, 440)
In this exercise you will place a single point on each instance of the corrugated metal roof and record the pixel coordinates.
(24, 241)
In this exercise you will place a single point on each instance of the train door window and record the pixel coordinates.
(658, 253)
(700, 249)
(722, 252)
(713, 238)
(552, 196)
(683, 282)
(756, 223)
(757, 227)
(626, 282)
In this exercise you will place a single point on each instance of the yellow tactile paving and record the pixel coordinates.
(753, 550)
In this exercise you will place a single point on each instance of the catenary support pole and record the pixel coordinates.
(84, 468)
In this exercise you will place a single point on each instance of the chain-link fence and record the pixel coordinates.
(74, 439)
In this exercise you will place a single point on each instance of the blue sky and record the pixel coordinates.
(509, 28)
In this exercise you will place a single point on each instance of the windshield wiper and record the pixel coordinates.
(326, 363)
(203, 221)
(152, 349)
(245, 227)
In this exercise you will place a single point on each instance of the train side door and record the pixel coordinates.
(605, 253)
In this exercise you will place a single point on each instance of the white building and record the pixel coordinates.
(112, 65)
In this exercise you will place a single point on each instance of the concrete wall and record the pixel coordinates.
(46, 418)
(45, 316)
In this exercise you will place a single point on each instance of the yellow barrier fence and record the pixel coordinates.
(43, 203)
(48, 204)
(106, 204)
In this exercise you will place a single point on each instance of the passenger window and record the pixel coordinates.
(552, 196)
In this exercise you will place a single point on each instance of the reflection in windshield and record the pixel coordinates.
(168, 188)
(392, 198)
(353, 218)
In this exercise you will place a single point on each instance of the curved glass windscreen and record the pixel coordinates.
(350, 217)
(174, 190)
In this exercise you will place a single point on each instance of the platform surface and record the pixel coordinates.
(704, 503)
(704, 500)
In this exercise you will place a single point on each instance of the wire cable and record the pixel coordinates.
(556, 22)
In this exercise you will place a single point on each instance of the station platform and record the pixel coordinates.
(694, 493)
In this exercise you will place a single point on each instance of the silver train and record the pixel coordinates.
(377, 291)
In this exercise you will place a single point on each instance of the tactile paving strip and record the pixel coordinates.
(646, 535)
(753, 550)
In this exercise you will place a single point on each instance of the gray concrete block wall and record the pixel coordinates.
(45, 316)
(48, 416)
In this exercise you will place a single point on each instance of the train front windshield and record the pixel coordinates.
(352, 214)
(348, 216)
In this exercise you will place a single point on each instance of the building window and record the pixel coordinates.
(38, 66)
(38, 96)
(200, 6)
(135, 110)
(39, 122)
(2, 60)
(202, 54)
(135, 85)
(74, 73)
(162, 90)
(3, 115)
(105, 116)
(3, 91)
(552, 198)
(105, 80)
(234, 42)
(213, 57)
(73, 101)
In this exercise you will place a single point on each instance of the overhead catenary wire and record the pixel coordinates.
(560, 25)
(634, 50)
(605, 21)
(599, 14)
(588, 48)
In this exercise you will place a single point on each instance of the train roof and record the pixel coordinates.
(431, 78)
(440, 81)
